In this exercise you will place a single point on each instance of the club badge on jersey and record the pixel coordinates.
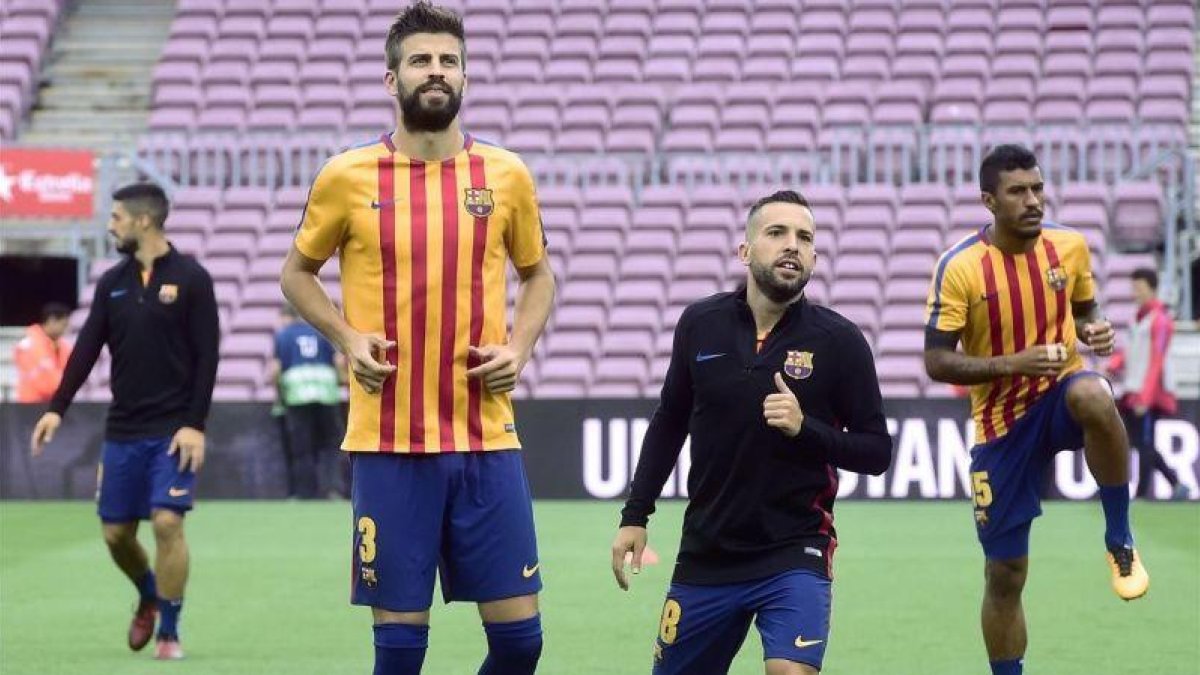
(168, 293)
(478, 202)
(798, 365)
(1056, 277)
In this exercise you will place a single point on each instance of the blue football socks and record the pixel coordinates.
(168, 617)
(513, 647)
(1013, 667)
(1115, 500)
(147, 589)
(400, 648)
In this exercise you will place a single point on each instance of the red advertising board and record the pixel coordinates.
(46, 183)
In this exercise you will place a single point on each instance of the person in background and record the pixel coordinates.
(305, 370)
(1146, 380)
(41, 356)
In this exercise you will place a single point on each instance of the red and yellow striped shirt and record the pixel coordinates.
(423, 249)
(1005, 303)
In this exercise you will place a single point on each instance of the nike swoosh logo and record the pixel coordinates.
(177, 492)
(117, 294)
(380, 205)
(700, 358)
(528, 572)
(802, 643)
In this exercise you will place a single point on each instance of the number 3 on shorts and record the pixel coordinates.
(668, 626)
(983, 491)
(366, 547)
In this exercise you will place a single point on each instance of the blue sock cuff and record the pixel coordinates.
(1011, 667)
(1115, 500)
(401, 636)
(515, 630)
(147, 589)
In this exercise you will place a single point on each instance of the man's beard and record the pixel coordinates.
(777, 291)
(126, 246)
(418, 118)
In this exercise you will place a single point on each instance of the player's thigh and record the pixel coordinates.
(792, 616)
(490, 552)
(1006, 479)
(123, 491)
(701, 629)
(509, 609)
(170, 489)
(398, 503)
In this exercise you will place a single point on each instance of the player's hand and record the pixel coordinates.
(1099, 335)
(499, 367)
(782, 410)
(43, 432)
(1039, 360)
(630, 539)
(189, 443)
(368, 360)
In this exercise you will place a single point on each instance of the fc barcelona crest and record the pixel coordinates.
(478, 202)
(799, 365)
(167, 293)
(1056, 277)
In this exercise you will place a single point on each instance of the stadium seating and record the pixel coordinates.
(26, 27)
(683, 79)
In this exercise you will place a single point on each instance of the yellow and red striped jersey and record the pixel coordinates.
(422, 249)
(1005, 303)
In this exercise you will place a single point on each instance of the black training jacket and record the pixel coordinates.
(760, 503)
(163, 337)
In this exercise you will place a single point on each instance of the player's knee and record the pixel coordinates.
(168, 525)
(1090, 400)
(1005, 578)
(514, 647)
(118, 536)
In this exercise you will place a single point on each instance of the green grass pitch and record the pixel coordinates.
(269, 589)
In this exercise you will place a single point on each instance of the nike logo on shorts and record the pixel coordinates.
(802, 643)
(177, 492)
(528, 572)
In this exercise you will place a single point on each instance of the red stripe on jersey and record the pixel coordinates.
(826, 526)
(1017, 305)
(475, 387)
(387, 254)
(993, 303)
(449, 302)
(1039, 310)
(1060, 295)
(420, 281)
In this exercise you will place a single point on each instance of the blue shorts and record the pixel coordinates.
(1007, 473)
(702, 627)
(136, 477)
(467, 515)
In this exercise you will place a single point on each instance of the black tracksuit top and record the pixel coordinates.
(163, 337)
(761, 503)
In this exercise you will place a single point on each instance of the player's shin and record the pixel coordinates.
(400, 648)
(514, 647)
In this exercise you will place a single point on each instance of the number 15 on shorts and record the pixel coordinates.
(982, 496)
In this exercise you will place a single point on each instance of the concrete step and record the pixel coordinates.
(149, 10)
(83, 70)
(88, 118)
(99, 98)
(115, 53)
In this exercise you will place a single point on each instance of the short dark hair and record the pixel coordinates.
(144, 199)
(1009, 157)
(54, 310)
(1147, 275)
(784, 196)
(420, 17)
